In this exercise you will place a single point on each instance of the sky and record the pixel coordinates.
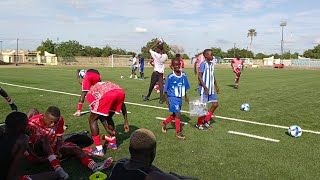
(192, 24)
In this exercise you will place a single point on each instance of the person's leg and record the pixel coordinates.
(43, 149)
(110, 138)
(8, 99)
(153, 81)
(177, 120)
(164, 123)
(213, 107)
(94, 128)
(237, 79)
(70, 149)
(47, 176)
(160, 83)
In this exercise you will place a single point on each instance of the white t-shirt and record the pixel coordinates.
(134, 61)
(158, 61)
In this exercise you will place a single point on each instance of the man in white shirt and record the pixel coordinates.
(134, 67)
(157, 76)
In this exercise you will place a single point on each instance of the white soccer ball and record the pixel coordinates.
(245, 107)
(121, 77)
(160, 40)
(82, 73)
(295, 131)
(240, 66)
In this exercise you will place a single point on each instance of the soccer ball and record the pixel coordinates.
(240, 66)
(245, 107)
(160, 40)
(82, 73)
(295, 131)
(121, 77)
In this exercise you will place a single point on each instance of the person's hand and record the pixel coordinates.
(77, 113)
(217, 90)
(207, 91)
(186, 99)
(167, 101)
(126, 128)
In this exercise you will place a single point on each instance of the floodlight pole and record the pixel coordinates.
(282, 24)
(17, 58)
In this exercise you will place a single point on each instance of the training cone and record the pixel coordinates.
(98, 176)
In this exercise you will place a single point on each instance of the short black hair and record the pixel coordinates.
(16, 120)
(178, 55)
(207, 50)
(160, 47)
(54, 111)
(175, 59)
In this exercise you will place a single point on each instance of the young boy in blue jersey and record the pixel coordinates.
(175, 88)
(207, 87)
(141, 69)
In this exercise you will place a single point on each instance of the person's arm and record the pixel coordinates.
(151, 63)
(80, 104)
(186, 99)
(216, 85)
(242, 63)
(125, 118)
(195, 68)
(78, 77)
(201, 80)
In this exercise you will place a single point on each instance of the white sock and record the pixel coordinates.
(99, 148)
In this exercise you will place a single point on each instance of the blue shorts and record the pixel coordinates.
(141, 69)
(175, 104)
(207, 99)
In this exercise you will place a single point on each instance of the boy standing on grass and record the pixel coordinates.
(141, 65)
(134, 67)
(237, 66)
(175, 88)
(206, 88)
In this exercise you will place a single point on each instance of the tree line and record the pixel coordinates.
(73, 48)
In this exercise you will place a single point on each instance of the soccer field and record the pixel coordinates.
(278, 98)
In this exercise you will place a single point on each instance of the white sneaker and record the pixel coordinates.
(130, 76)
(61, 173)
(103, 164)
(136, 77)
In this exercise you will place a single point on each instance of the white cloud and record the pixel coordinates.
(141, 30)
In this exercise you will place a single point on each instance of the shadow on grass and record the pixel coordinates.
(231, 85)
(121, 135)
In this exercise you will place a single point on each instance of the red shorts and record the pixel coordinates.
(90, 79)
(110, 101)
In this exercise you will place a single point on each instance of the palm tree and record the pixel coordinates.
(252, 33)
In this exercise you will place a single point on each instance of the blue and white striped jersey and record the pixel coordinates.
(176, 86)
(207, 70)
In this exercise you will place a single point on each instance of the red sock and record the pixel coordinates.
(177, 123)
(168, 120)
(208, 116)
(200, 119)
(87, 161)
(96, 140)
(53, 161)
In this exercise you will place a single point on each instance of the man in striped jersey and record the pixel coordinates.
(207, 87)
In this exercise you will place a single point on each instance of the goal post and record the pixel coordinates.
(118, 60)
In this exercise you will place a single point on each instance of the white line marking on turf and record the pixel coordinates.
(254, 136)
(85, 112)
(182, 122)
(156, 107)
